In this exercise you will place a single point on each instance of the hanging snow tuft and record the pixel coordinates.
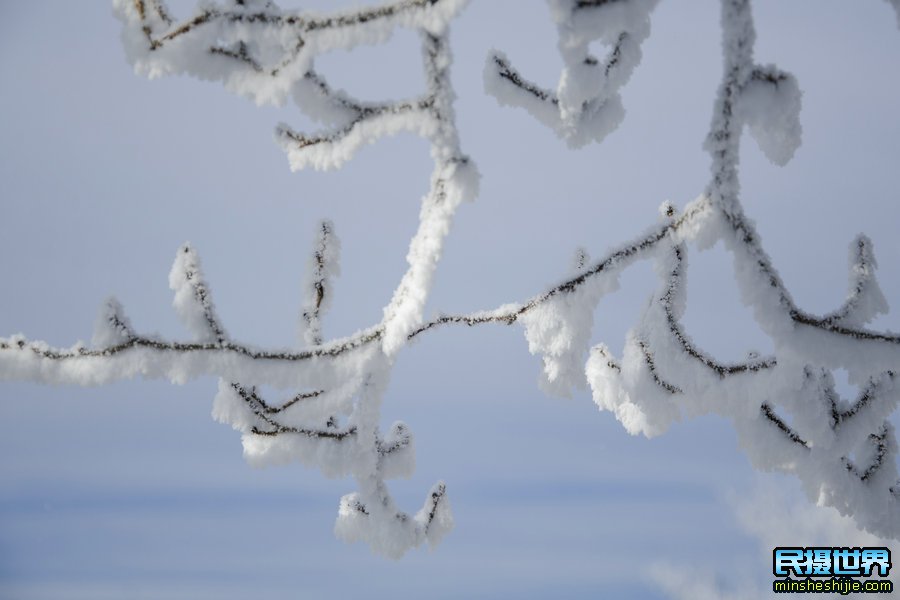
(770, 103)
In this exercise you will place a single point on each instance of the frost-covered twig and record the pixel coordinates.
(261, 51)
(586, 105)
(325, 264)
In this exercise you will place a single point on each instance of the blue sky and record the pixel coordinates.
(131, 490)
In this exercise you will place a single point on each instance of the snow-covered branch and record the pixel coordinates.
(586, 105)
(784, 407)
(325, 264)
(267, 54)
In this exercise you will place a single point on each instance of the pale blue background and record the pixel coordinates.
(132, 491)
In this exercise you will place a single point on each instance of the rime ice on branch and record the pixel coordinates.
(784, 407)
(664, 375)
(586, 105)
(260, 51)
(324, 265)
